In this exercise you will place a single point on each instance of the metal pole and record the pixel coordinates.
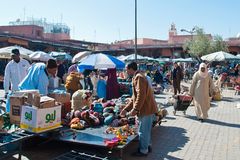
(135, 49)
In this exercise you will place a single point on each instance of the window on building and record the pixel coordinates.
(38, 32)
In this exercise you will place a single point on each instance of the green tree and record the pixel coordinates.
(199, 45)
(218, 44)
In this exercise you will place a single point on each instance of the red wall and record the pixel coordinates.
(33, 31)
(56, 36)
(24, 30)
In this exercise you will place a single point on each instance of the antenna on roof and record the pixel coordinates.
(61, 18)
(73, 32)
(119, 34)
(24, 12)
(94, 35)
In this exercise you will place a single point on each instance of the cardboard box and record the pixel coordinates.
(33, 99)
(64, 99)
(39, 120)
(66, 108)
(16, 101)
(61, 97)
(46, 102)
(40, 102)
(34, 91)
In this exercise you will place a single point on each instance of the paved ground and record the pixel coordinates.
(180, 137)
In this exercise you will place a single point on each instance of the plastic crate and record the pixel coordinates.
(11, 143)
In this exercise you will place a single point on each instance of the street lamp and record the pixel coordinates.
(191, 31)
(135, 48)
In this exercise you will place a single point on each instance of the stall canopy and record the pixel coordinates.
(61, 55)
(79, 56)
(100, 61)
(6, 52)
(40, 56)
(164, 59)
(219, 56)
(149, 58)
(121, 58)
(132, 57)
(183, 60)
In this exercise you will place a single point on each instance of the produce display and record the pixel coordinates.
(121, 133)
(125, 130)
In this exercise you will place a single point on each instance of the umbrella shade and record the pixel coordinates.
(61, 55)
(132, 57)
(56, 54)
(79, 56)
(6, 52)
(164, 59)
(68, 56)
(100, 61)
(152, 59)
(121, 58)
(149, 58)
(219, 56)
(40, 56)
(183, 60)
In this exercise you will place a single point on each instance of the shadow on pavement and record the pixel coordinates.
(230, 99)
(211, 121)
(168, 139)
(171, 118)
(166, 106)
(54, 149)
(214, 104)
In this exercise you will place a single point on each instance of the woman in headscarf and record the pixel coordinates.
(202, 87)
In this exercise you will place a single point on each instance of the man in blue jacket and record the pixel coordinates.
(38, 76)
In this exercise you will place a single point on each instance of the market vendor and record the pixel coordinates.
(15, 71)
(38, 76)
(143, 105)
(73, 82)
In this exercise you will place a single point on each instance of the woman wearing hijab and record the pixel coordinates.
(202, 87)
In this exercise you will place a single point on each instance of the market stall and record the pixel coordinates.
(95, 137)
(106, 133)
(38, 114)
(81, 119)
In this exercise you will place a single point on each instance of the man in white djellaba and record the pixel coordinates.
(15, 71)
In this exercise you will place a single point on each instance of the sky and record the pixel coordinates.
(107, 21)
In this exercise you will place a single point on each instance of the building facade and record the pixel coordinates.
(40, 35)
(38, 28)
